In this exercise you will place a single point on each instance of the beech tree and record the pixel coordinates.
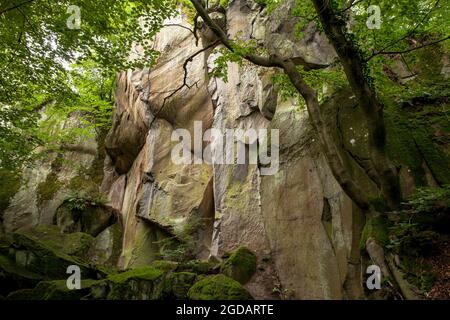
(332, 18)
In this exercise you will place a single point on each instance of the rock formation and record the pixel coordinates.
(298, 222)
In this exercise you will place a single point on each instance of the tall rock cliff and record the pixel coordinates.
(298, 221)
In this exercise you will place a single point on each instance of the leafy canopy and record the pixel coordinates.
(46, 62)
(413, 32)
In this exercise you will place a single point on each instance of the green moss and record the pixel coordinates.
(48, 257)
(376, 228)
(9, 185)
(137, 284)
(410, 141)
(54, 290)
(144, 273)
(197, 266)
(47, 189)
(241, 265)
(218, 287)
(178, 284)
(12, 270)
(401, 146)
(74, 244)
(89, 179)
(164, 265)
(22, 294)
(437, 161)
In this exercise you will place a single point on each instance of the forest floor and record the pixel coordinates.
(440, 267)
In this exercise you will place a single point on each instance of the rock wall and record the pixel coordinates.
(298, 221)
(45, 184)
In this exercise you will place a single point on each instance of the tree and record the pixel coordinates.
(334, 19)
(41, 39)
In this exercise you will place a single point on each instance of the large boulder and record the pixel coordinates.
(14, 277)
(44, 250)
(136, 284)
(218, 287)
(130, 123)
(241, 265)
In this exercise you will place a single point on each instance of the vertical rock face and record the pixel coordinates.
(298, 221)
(46, 184)
(155, 195)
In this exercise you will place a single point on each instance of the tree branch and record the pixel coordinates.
(16, 6)
(355, 69)
(344, 178)
(411, 32)
(351, 5)
(271, 61)
(184, 84)
(184, 27)
(409, 50)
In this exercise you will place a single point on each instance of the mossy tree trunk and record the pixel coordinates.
(358, 77)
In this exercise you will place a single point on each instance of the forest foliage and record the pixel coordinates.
(56, 61)
(51, 70)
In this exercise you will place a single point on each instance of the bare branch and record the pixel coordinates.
(184, 27)
(351, 5)
(184, 84)
(409, 50)
(271, 61)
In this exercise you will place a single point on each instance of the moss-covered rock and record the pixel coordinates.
(47, 189)
(198, 266)
(164, 265)
(9, 185)
(241, 265)
(177, 285)
(412, 142)
(88, 216)
(136, 284)
(74, 244)
(53, 290)
(43, 250)
(376, 228)
(14, 277)
(218, 287)
(22, 294)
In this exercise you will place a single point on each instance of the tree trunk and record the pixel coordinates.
(341, 174)
(356, 71)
